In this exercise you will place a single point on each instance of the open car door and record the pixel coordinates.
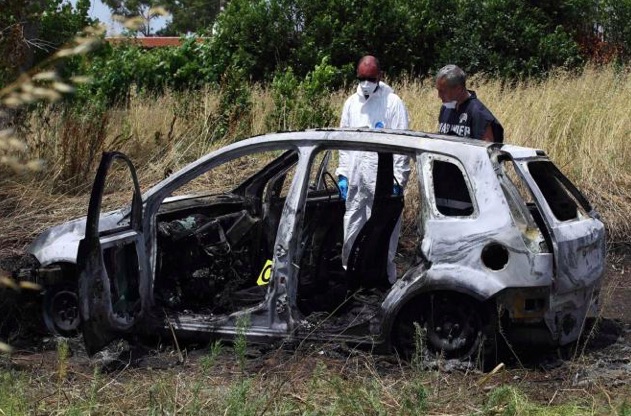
(578, 240)
(113, 266)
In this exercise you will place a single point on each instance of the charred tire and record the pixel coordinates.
(61, 310)
(452, 326)
(60, 302)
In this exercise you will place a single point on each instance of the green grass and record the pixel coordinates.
(286, 383)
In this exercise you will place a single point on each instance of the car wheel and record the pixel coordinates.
(451, 326)
(61, 311)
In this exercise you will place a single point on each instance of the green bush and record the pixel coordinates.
(303, 104)
(507, 38)
(115, 68)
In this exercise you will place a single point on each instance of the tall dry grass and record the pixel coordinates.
(581, 120)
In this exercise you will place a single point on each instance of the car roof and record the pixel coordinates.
(406, 140)
(403, 138)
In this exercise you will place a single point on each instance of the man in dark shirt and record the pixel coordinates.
(462, 114)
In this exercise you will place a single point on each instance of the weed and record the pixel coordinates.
(240, 341)
(509, 401)
(300, 104)
(63, 353)
(209, 360)
(94, 389)
(414, 400)
(420, 335)
(13, 399)
(235, 105)
(241, 401)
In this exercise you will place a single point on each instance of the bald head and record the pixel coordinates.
(369, 61)
(369, 67)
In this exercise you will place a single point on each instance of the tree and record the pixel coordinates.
(60, 22)
(141, 9)
(615, 16)
(507, 38)
(190, 16)
(404, 34)
(265, 35)
(256, 36)
(33, 29)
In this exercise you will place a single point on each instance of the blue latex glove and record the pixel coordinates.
(343, 184)
(397, 190)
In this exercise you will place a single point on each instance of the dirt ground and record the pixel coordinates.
(601, 366)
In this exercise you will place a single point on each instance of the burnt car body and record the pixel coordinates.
(502, 239)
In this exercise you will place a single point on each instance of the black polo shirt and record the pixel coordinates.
(469, 120)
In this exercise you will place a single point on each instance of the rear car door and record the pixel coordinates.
(112, 264)
(578, 236)
(578, 243)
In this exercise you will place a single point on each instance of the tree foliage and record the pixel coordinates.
(503, 37)
(141, 9)
(190, 16)
(31, 30)
(519, 39)
(615, 16)
(275, 40)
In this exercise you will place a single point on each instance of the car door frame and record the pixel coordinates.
(572, 249)
(100, 323)
(269, 318)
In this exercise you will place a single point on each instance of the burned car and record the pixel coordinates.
(501, 241)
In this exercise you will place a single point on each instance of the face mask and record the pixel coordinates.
(368, 88)
(450, 104)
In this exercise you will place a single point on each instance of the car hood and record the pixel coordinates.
(60, 243)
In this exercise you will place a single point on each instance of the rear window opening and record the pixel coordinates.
(452, 195)
(563, 199)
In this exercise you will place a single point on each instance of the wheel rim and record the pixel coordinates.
(64, 311)
(453, 327)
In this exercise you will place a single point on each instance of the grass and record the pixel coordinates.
(314, 382)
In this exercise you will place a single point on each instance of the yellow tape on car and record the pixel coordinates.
(266, 274)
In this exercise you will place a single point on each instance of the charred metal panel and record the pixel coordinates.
(286, 249)
(579, 258)
(60, 243)
(455, 245)
(106, 307)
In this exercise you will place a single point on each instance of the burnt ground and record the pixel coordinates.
(599, 366)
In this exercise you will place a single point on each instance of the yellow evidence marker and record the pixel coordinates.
(266, 274)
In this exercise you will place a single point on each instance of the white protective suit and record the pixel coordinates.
(383, 109)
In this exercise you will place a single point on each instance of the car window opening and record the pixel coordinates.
(451, 193)
(121, 263)
(334, 299)
(560, 199)
(212, 248)
(523, 209)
